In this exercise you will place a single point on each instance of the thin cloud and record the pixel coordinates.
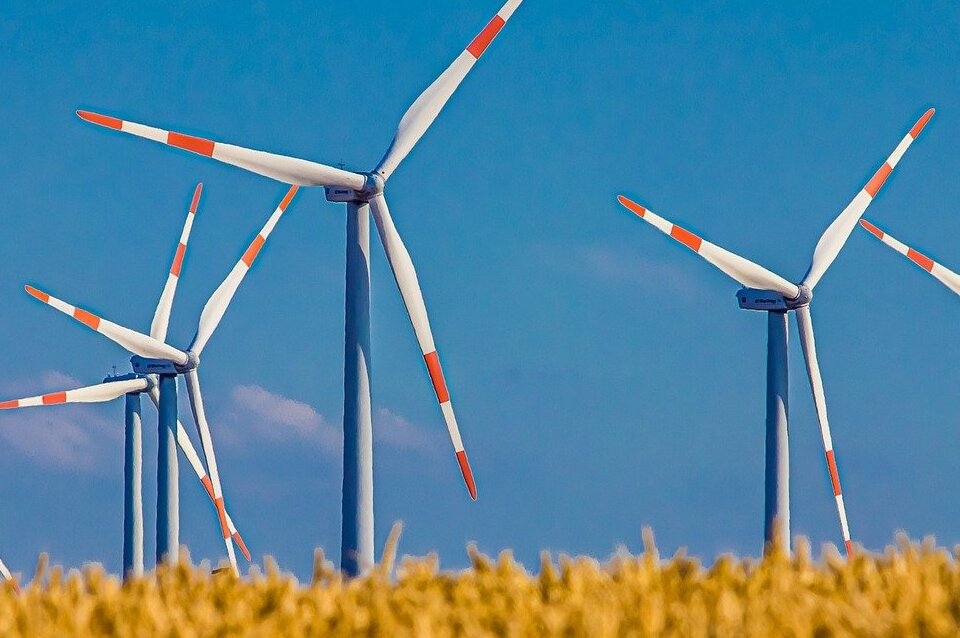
(397, 432)
(278, 419)
(618, 267)
(75, 437)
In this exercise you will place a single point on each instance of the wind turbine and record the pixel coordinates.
(132, 386)
(767, 291)
(154, 356)
(363, 193)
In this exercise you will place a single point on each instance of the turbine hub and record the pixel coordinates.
(372, 186)
(802, 299)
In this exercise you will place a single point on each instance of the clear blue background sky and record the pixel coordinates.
(603, 376)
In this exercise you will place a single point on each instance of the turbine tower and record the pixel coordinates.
(769, 292)
(363, 194)
(131, 386)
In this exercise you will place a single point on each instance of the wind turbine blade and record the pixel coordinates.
(89, 394)
(805, 324)
(221, 297)
(9, 577)
(286, 169)
(426, 108)
(837, 232)
(196, 404)
(406, 278)
(734, 266)
(161, 318)
(190, 452)
(946, 276)
(135, 342)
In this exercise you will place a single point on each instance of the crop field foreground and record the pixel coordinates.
(911, 589)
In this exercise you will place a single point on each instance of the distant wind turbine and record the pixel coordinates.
(132, 386)
(152, 356)
(363, 193)
(767, 291)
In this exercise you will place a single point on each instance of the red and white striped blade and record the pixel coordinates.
(805, 325)
(89, 394)
(426, 108)
(946, 276)
(7, 576)
(206, 441)
(221, 297)
(131, 340)
(190, 452)
(734, 266)
(161, 318)
(837, 233)
(286, 169)
(406, 278)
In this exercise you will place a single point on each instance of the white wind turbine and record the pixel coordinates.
(767, 291)
(131, 386)
(152, 356)
(363, 193)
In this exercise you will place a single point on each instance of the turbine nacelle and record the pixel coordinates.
(146, 365)
(372, 186)
(771, 300)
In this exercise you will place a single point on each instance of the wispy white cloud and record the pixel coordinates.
(395, 431)
(74, 437)
(615, 266)
(274, 418)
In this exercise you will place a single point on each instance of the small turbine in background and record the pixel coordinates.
(767, 291)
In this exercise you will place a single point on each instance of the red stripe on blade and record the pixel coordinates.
(288, 197)
(86, 318)
(485, 37)
(921, 260)
(178, 260)
(54, 398)
(243, 546)
(876, 232)
(208, 486)
(686, 238)
(252, 251)
(849, 546)
(102, 120)
(467, 473)
(6, 405)
(39, 294)
(915, 131)
(196, 199)
(222, 514)
(190, 143)
(436, 376)
(873, 186)
(834, 475)
(633, 207)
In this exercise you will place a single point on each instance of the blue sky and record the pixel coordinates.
(604, 377)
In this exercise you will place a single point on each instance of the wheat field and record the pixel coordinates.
(912, 589)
